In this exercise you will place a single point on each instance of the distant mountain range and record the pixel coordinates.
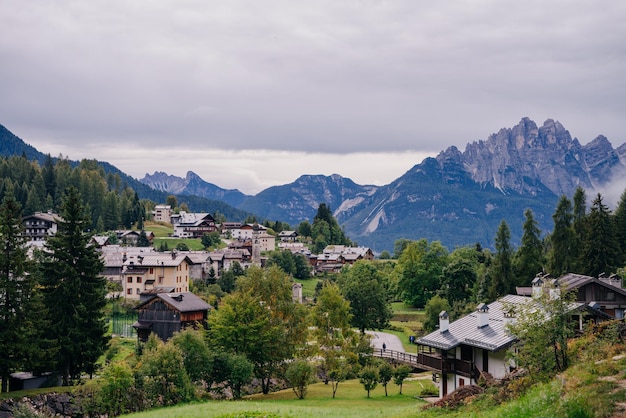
(458, 198)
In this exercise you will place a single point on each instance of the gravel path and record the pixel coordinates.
(391, 341)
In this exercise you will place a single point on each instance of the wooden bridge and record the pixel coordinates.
(399, 356)
(430, 362)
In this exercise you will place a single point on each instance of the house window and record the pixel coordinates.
(619, 314)
(138, 279)
(137, 291)
(461, 382)
(129, 279)
(151, 270)
(129, 291)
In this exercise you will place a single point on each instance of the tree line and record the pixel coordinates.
(108, 202)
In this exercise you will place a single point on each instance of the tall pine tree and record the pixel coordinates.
(503, 281)
(600, 249)
(620, 226)
(74, 292)
(562, 257)
(17, 287)
(529, 258)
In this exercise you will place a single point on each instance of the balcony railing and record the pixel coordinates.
(432, 362)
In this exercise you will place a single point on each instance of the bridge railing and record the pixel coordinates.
(397, 355)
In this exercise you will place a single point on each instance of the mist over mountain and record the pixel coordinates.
(458, 198)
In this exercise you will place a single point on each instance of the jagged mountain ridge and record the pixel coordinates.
(512, 158)
(192, 185)
(458, 197)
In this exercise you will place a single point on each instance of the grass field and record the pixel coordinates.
(159, 229)
(351, 401)
(193, 244)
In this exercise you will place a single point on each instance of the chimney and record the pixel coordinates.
(509, 318)
(555, 290)
(615, 280)
(444, 322)
(537, 284)
(482, 312)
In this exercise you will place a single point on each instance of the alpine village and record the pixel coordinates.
(491, 284)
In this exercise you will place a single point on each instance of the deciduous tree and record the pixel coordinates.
(361, 284)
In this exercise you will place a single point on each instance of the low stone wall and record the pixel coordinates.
(47, 404)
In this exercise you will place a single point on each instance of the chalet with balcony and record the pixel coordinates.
(459, 351)
(193, 225)
(40, 225)
(605, 292)
(287, 236)
(167, 313)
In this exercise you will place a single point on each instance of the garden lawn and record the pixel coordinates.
(159, 230)
(351, 401)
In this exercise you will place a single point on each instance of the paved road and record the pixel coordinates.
(391, 341)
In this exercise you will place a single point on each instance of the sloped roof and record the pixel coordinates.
(575, 281)
(44, 216)
(287, 234)
(181, 301)
(194, 218)
(493, 337)
(157, 259)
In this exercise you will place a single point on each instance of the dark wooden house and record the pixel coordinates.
(167, 313)
(607, 293)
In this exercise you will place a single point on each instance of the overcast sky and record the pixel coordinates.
(250, 94)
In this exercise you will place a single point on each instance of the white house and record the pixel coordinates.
(459, 351)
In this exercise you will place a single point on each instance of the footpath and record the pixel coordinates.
(392, 342)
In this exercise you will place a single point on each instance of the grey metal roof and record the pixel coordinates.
(493, 336)
(184, 301)
(181, 301)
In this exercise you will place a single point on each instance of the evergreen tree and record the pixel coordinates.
(600, 248)
(143, 240)
(529, 258)
(562, 256)
(49, 178)
(74, 292)
(579, 226)
(503, 281)
(17, 289)
(325, 230)
(620, 226)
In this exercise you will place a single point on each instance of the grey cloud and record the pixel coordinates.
(330, 76)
